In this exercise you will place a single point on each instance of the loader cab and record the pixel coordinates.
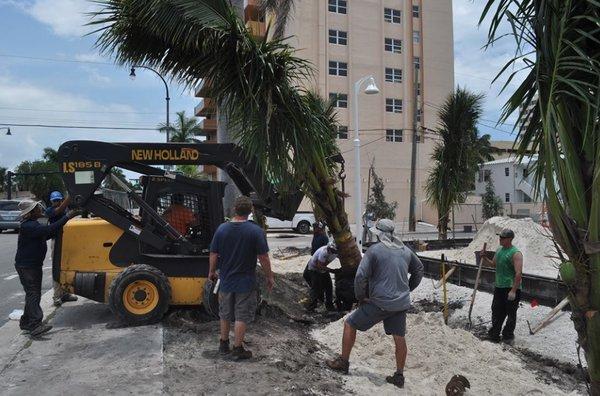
(193, 207)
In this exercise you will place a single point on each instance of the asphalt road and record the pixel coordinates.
(11, 291)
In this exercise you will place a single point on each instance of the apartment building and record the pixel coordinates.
(513, 180)
(401, 43)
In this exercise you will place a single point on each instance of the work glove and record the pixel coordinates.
(512, 295)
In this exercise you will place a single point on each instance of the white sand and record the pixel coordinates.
(436, 353)
(296, 264)
(556, 341)
(533, 240)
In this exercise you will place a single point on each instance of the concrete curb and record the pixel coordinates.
(12, 341)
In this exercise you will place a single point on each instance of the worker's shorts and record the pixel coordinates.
(240, 307)
(368, 315)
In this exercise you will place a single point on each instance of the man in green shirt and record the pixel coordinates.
(508, 262)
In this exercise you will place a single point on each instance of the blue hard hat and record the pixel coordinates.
(56, 196)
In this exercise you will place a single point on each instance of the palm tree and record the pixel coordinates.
(458, 156)
(558, 41)
(256, 83)
(185, 129)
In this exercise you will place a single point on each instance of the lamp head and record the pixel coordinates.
(8, 132)
(371, 87)
(132, 74)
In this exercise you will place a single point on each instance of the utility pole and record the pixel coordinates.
(412, 222)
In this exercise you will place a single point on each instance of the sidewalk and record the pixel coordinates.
(82, 354)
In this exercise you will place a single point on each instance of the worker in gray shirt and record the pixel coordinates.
(382, 287)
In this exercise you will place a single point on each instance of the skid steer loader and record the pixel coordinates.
(142, 264)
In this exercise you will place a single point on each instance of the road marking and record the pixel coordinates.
(11, 277)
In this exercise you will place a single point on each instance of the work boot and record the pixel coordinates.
(312, 306)
(397, 379)
(508, 337)
(40, 329)
(68, 298)
(224, 347)
(240, 353)
(330, 307)
(338, 364)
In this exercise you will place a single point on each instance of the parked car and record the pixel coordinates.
(9, 215)
(301, 223)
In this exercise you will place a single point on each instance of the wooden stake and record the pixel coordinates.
(445, 289)
(476, 284)
(548, 317)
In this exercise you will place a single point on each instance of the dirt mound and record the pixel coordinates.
(534, 241)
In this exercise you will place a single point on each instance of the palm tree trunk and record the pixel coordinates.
(443, 220)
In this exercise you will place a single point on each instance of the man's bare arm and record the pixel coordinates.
(518, 264)
(265, 263)
(213, 258)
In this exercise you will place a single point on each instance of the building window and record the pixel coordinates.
(416, 37)
(526, 198)
(342, 132)
(338, 6)
(506, 172)
(393, 105)
(338, 68)
(392, 15)
(338, 37)
(507, 197)
(393, 135)
(393, 75)
(417, 62)
(393, 45)
(484, 175)
(416, 11)
(339, 100)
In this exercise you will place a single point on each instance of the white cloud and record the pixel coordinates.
(26, 143)
(476, 67)
(66, 18)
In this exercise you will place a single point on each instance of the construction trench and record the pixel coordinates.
(289, 358)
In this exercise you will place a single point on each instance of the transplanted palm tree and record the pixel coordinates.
(559, 41)
(256, 83)
(185, 129)
(457, 156)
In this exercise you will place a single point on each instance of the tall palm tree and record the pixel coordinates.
(559, 43)
(458, 156)
(255, 82)
(185, 129)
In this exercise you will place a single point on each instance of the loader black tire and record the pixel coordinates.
(140, 295)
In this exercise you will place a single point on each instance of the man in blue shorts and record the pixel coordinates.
(382, 287)
(234, 250)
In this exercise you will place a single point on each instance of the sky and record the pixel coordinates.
(50, 73)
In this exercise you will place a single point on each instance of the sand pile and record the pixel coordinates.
(436, 353)
(539, 253)
(295, 264)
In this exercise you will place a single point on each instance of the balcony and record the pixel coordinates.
(201, 88)
(206, 107)
(209, 125)
(257, 29)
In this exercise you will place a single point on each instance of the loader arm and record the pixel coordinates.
(84, 164)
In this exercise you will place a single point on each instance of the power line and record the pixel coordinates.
(79, 127)
(55, 59)
(79, 111)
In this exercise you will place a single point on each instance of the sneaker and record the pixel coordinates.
(68, 298)
(224, 347)
(338, 364)
(40, 329)
(397, 379)
(240, 353)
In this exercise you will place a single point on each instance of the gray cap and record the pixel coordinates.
(506, 233)
(383, 226)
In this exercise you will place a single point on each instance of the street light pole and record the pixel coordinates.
(370, 90)
(167, 98)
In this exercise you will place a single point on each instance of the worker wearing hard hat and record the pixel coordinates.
(31, 251)
(54, 212)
